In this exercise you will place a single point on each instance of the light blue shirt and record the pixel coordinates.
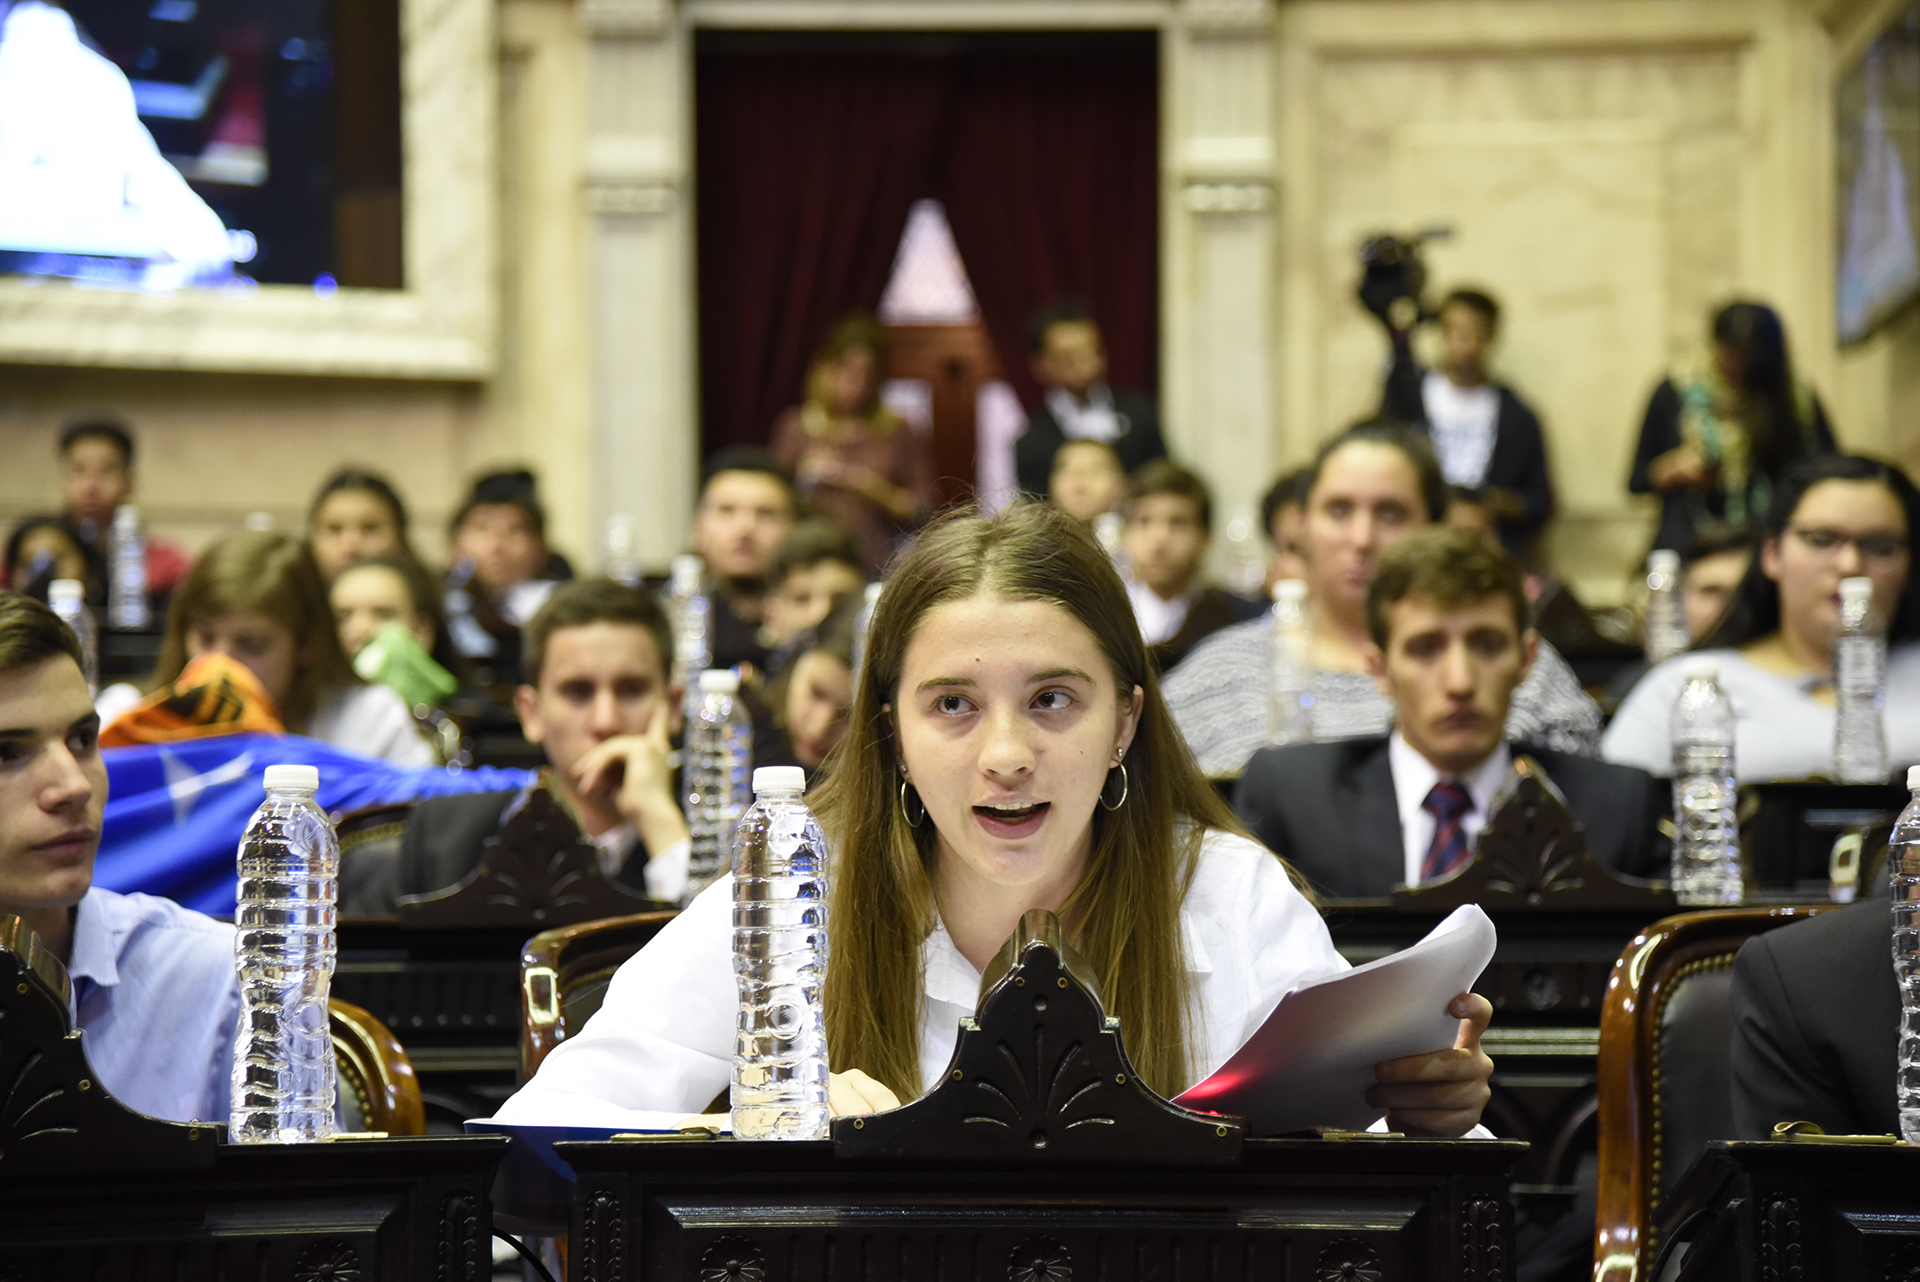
(155, 992)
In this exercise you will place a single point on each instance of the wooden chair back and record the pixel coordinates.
(564, 974)
(378, 1089)
(1666, 1011)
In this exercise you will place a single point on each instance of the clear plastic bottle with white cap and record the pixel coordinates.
(862, 626)
(68, 599)
(128, 609)
(1290, 716)
(1706, 843)
(619, 554)
(689, 610)
(1903, 865)
(1859, 688)
(719, 754)
(283, 1069)
(1666, 617)
(779, 1089)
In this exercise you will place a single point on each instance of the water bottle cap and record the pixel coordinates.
(1663, 561)
(687, 569)
(719, 681)
(1700, 667)
(126, 516)
(281, 778)
(1290, 591)
(1857, 591)
(1913, 777)
(873, 593)
(70, 591)
(779, 779)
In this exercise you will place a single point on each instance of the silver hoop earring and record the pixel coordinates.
(1106, 787)
(907, 814)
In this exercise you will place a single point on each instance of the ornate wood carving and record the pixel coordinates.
(463, 1247)
(732, 1259)
(328, 1260)
(55, 1117)
(1484, 1234)
(1532, 855)
(1348, 1259)
(540, 871)
(1040, 1259)
(602, 1247)
(1039, 1075)
(1782, 1241)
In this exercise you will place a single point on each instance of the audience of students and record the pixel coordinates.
(1451, 643)
(96, 478)
(369, 594)
(747, 506)
(1283, 510)
(815, 568)
(1088, 479)
(502, 571)
(1833, 517)
(1369, 487)
(600, 703)
(813, 694)
(1169, 528)
(154, 986)
(356, 515)
(1719, 432)
(1008, 751)
(1487, 439)
(850, 456)
(1069, 361)
(256, 597)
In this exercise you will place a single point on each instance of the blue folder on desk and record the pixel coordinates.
(534, 1186)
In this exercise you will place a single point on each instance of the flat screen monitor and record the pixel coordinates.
(160, 144)
(1877, 115)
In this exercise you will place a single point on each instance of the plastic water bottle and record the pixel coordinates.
(688, 609)
(1706, 846)
(127, 607)
(68, 599)
(779, 964)
(719, 754)
(1903, 862)
(862, 625)
(1666, 619)
(1247, 570)
(1290, 719)
(619, 560)
(283, 1075)
(1859, 688)
(1110, 529)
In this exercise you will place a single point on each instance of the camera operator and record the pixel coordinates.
(1487, 438)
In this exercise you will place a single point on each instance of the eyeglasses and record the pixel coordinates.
(1883, 548)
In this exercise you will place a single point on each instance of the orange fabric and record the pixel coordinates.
(216, 695)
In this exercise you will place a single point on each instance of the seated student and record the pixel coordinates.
(1087, 479)
(1069, 361)
(1169, 525)
(599, 702)
(1833, 517)
(502, 571)
(154, 990)
(395, 590)
(1008, 751)
(1283, 514)
(355, 515)
(256, 597)
(746, 508)
(42, 549)
(96, 477)
(814, 692)
(1710, 572)
(1370, 487)
(1816, 1024)
(814, 569)
(1359, 817)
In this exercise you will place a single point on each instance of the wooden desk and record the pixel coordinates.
(1798, 1212)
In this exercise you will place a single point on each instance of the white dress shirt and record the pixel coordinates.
(1462, 422)
(1159, 618)
(666, 870)
(1094, 421)
(661, 1046)
(1414, 777)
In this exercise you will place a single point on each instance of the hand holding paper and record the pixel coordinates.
(1314, 1061)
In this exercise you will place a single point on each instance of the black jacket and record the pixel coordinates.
(1139, 441)
(1329, 810)
(1519, 462)
(1212, 610)
(1816, 1024)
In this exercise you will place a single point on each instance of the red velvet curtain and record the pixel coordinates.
(1044, 151)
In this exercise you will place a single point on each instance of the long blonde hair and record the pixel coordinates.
(881, 903)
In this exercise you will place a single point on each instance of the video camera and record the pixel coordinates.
(1393, 277)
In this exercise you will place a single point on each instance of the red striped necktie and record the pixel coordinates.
(1448, 803)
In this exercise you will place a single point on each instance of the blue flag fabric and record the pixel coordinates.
(175, 811)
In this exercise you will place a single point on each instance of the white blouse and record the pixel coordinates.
(661, 1046)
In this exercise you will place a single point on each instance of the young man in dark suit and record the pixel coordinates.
(599, 700)
(1487, 438)
(1169, 525)
(1359, 817)
(1070, 362)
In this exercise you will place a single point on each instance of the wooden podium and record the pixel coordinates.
(1040, 1158)
(91, 1189)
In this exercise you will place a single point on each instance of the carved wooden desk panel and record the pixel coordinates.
(1293, 1209)
(1798, 1212)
